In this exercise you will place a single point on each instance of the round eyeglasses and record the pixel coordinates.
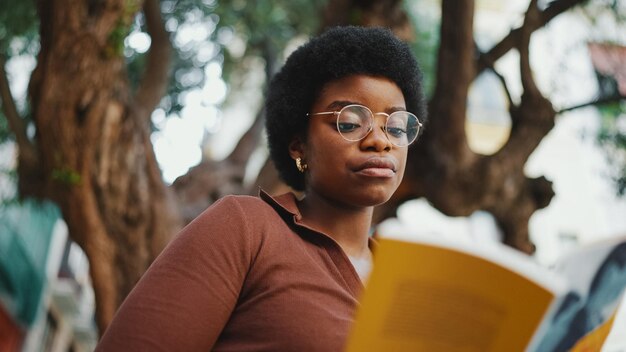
(355, 121)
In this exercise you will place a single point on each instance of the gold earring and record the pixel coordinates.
(300, 165)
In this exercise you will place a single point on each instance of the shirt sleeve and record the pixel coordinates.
(184, 300)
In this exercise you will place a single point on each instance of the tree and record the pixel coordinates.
(441, 167)
(458, 181)
(91, 151)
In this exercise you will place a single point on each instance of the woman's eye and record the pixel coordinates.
(347, 126)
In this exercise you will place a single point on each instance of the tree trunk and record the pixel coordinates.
(442, 168)
(210, 180)
(369, 13)
(93, 142)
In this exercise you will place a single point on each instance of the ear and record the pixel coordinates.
(296, 148)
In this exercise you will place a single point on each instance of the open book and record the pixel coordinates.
(435, 295)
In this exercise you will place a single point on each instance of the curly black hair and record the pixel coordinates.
(337, 53)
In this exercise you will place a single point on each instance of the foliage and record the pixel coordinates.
(18, 28)
(66, 176)
(426, 42)
(201, 31)
(599, 11)
(231, 32)
(5, 133)
(18, 36)
(607, 19)
(122, 28)
(228, 32)
(612, 138)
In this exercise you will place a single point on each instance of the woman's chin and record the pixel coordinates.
(373, 198)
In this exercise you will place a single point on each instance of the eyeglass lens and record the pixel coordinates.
(355, 122)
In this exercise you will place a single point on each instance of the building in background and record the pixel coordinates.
(609, 63)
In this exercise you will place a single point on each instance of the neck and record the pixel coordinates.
(348, 226)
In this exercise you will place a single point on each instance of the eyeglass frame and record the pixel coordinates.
(420, 125)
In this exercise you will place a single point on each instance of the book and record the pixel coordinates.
(435, 294)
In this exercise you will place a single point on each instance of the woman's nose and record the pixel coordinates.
(376, 139)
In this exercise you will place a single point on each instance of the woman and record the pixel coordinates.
(279, 273)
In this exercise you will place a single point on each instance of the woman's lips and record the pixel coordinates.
(376, 172)
(377, 167)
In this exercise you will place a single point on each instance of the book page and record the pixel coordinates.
(493, 251)
(422, 297)
(594, 340)
(616, 339)
(598, 274)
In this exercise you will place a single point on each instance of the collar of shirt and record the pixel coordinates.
(288, 204)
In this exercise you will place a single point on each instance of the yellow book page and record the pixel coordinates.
(426, 298)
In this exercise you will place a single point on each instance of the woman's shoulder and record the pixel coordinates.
(238, 218)
(242, 205)
(237, 211)
(230, 221)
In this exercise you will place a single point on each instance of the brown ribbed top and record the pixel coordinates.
(247, 275)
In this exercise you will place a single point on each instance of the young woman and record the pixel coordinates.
(281, 273)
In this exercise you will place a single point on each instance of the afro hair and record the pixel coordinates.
(337, 53)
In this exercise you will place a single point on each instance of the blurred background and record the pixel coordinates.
(122, 120)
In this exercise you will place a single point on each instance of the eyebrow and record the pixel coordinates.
(394, 109)
(340, 104)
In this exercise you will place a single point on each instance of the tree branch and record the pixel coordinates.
(155, 78)
(16, 122)
(249, 141)
(554, 9)
(336, 13)
(598, 101)
(531, 21)
(28, 153)
(455, 72)
(533, 118)
(482, 60)
(368, 13)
